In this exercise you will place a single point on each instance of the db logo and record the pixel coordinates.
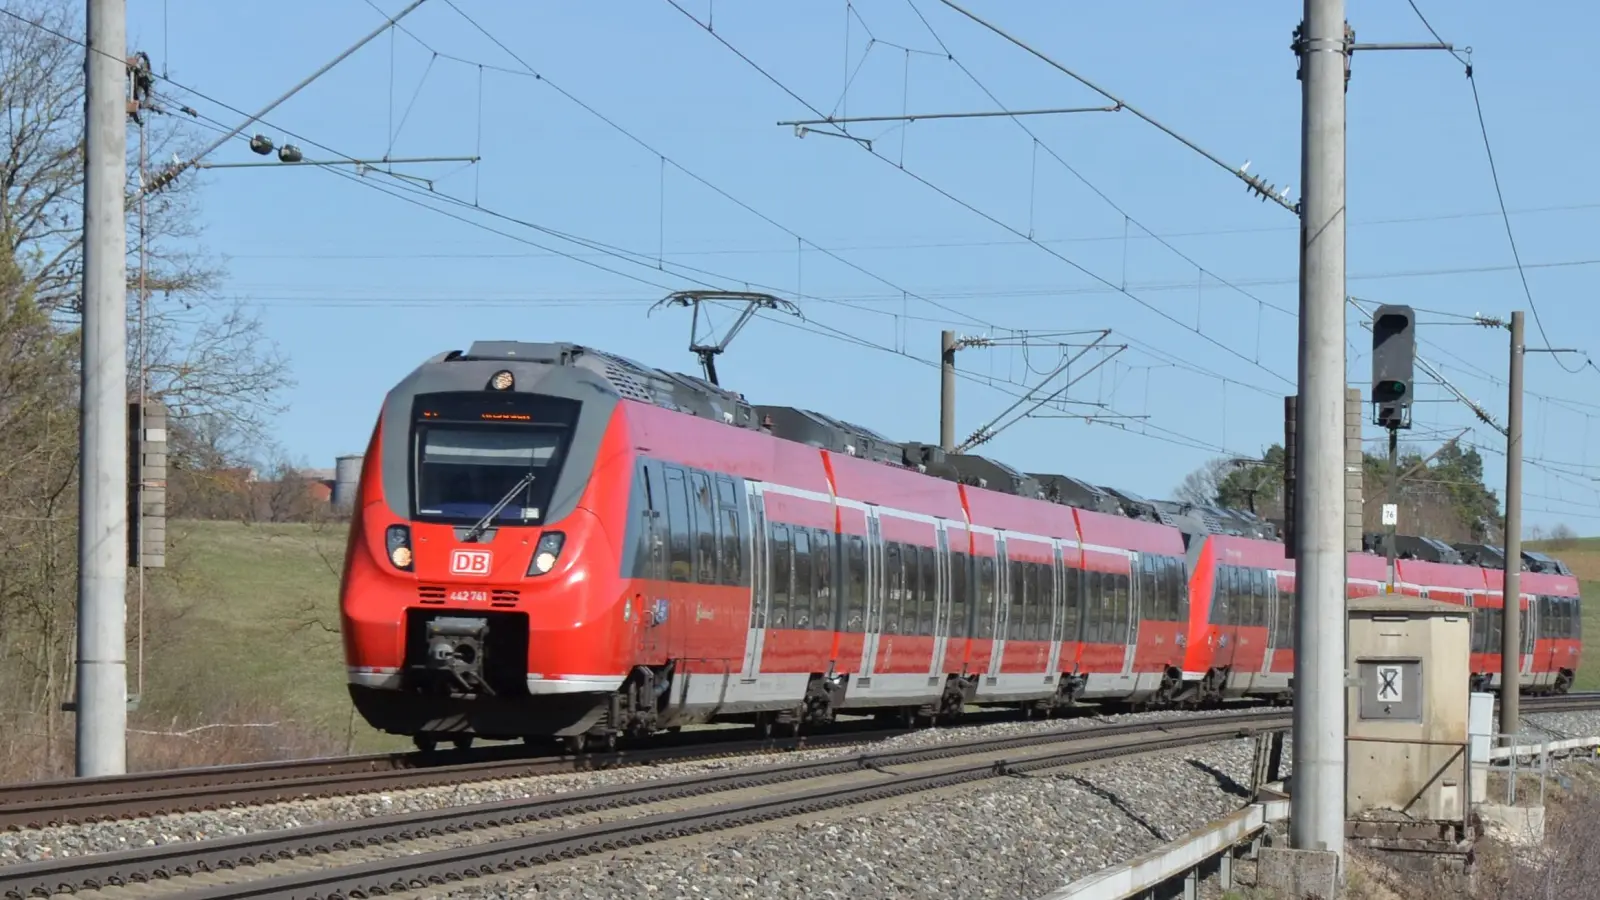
(470, 562)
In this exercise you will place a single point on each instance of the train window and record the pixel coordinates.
(960, 587)
(782, 567)
(805, 589)
(1577, 616)
(1014, 600)
(855, 583)
(1124, 592)
(822, 561)
(1148, 589)
(893, 587)
(1072, 603)
(983, 624)
(930, 591)
(1093, 607)
(705, 522)
(1178, 588)
(728, 505)
(679, 530)
(918, 600)
(1221, 579)
(1041, 588)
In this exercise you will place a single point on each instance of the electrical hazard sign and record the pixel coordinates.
(1391, 684)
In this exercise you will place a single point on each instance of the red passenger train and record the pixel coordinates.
(550, 540)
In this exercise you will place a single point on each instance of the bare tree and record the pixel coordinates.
(1562, 537)
(1201, 485)
(41, 135)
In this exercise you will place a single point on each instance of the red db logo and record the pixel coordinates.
(470, 562)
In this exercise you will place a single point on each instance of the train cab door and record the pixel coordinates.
(872, 623)
(655, 605)
(760, 595)
(1544, 661)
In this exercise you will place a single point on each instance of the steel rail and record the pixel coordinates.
(162, 862)
(187, 790)
(75, 801)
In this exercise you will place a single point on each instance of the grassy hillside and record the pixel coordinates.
(243, 631)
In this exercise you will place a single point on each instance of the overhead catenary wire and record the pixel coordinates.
(974, 209)
(531, 71)
(1499, 193)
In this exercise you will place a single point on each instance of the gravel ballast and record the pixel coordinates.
(1010, 837)
(1013, 837)
(76, 840)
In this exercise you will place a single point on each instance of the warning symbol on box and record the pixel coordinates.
(1389, 686)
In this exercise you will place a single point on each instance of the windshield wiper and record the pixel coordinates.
(482, 524)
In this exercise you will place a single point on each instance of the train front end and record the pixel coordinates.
(480, 583)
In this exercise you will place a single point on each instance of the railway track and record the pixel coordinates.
(425, 850)
(75, 801)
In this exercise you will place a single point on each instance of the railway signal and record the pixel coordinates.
(1394, 353)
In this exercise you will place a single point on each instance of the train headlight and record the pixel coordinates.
(546, 552)
(502, 381)
(397, 541)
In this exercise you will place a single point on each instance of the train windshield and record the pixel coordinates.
(475, 452)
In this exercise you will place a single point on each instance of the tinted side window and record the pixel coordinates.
(930, 590)
(984, 626)
(680, 542)
(804, 589)
(782, 571)
(893, 587)
(729, 505)
(959, 590)
(855, 583)
(705, 522)
(1072, 603)
(822, 565)
(1016, 597)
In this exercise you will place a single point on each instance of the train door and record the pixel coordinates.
(872, 623)
(760, 596)
(940, 599)
(1227, 600)
(1271, 618)
(1135, 596)
(1002, 605)
(1058, 604)
(652, 615)
(1529, 622)
(1546, 629)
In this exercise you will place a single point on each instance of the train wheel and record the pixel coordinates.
(425, 742)
(462, 743)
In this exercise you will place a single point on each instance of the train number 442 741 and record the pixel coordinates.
(469, 596)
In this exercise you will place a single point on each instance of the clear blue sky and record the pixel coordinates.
(359, 286)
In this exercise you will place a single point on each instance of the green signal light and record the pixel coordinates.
(1396, 388)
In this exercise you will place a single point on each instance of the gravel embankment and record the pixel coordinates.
(1560, 726)
(18, 846)
(1016, 837)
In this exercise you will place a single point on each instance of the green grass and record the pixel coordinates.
(243, 625)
